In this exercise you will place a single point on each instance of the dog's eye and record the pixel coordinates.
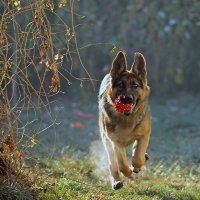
(135, 85)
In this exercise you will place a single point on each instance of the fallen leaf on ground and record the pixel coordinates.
(85, 115)
(77, 125)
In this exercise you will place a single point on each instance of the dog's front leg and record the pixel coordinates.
(116, 179)
(139, 153)
(123, 163)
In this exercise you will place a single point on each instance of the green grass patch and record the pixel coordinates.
(75, 179)
(70, 179)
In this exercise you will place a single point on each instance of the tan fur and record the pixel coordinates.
(117, 130)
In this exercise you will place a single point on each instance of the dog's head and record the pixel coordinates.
(130, 86)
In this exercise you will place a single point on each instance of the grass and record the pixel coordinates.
(76, 179)
(69, 179)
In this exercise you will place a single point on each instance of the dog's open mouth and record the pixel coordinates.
(122, 107)
(129, 112)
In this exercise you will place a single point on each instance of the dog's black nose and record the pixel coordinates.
(126, 98)
(129, 98)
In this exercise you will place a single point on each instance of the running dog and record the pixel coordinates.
(130, 125)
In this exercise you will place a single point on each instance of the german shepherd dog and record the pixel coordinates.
(118, 130)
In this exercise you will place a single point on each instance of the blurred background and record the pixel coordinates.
(167, 33)
(59, 51)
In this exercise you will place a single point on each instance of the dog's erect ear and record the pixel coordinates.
(118, 65)
(139, 67)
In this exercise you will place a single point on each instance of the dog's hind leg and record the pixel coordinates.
(116, 179)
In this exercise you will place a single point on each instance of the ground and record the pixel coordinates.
(72, 163)
(175, 129)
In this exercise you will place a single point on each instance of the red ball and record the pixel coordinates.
(122, 107)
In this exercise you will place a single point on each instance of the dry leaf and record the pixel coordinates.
(33, 141)
(97, 197)
(67, 33)
(56, 57)
(50, 5)
(43, 48)
(55, 81)
(62, 3)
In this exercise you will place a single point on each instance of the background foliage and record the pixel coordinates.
(166, 32)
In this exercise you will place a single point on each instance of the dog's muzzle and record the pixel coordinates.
(130, 100)
(126, 98)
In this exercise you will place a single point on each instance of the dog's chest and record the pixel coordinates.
(124, 135)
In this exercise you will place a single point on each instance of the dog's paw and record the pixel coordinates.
(146, 156)
(117, 185)
(136, 170)
(133, 177)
